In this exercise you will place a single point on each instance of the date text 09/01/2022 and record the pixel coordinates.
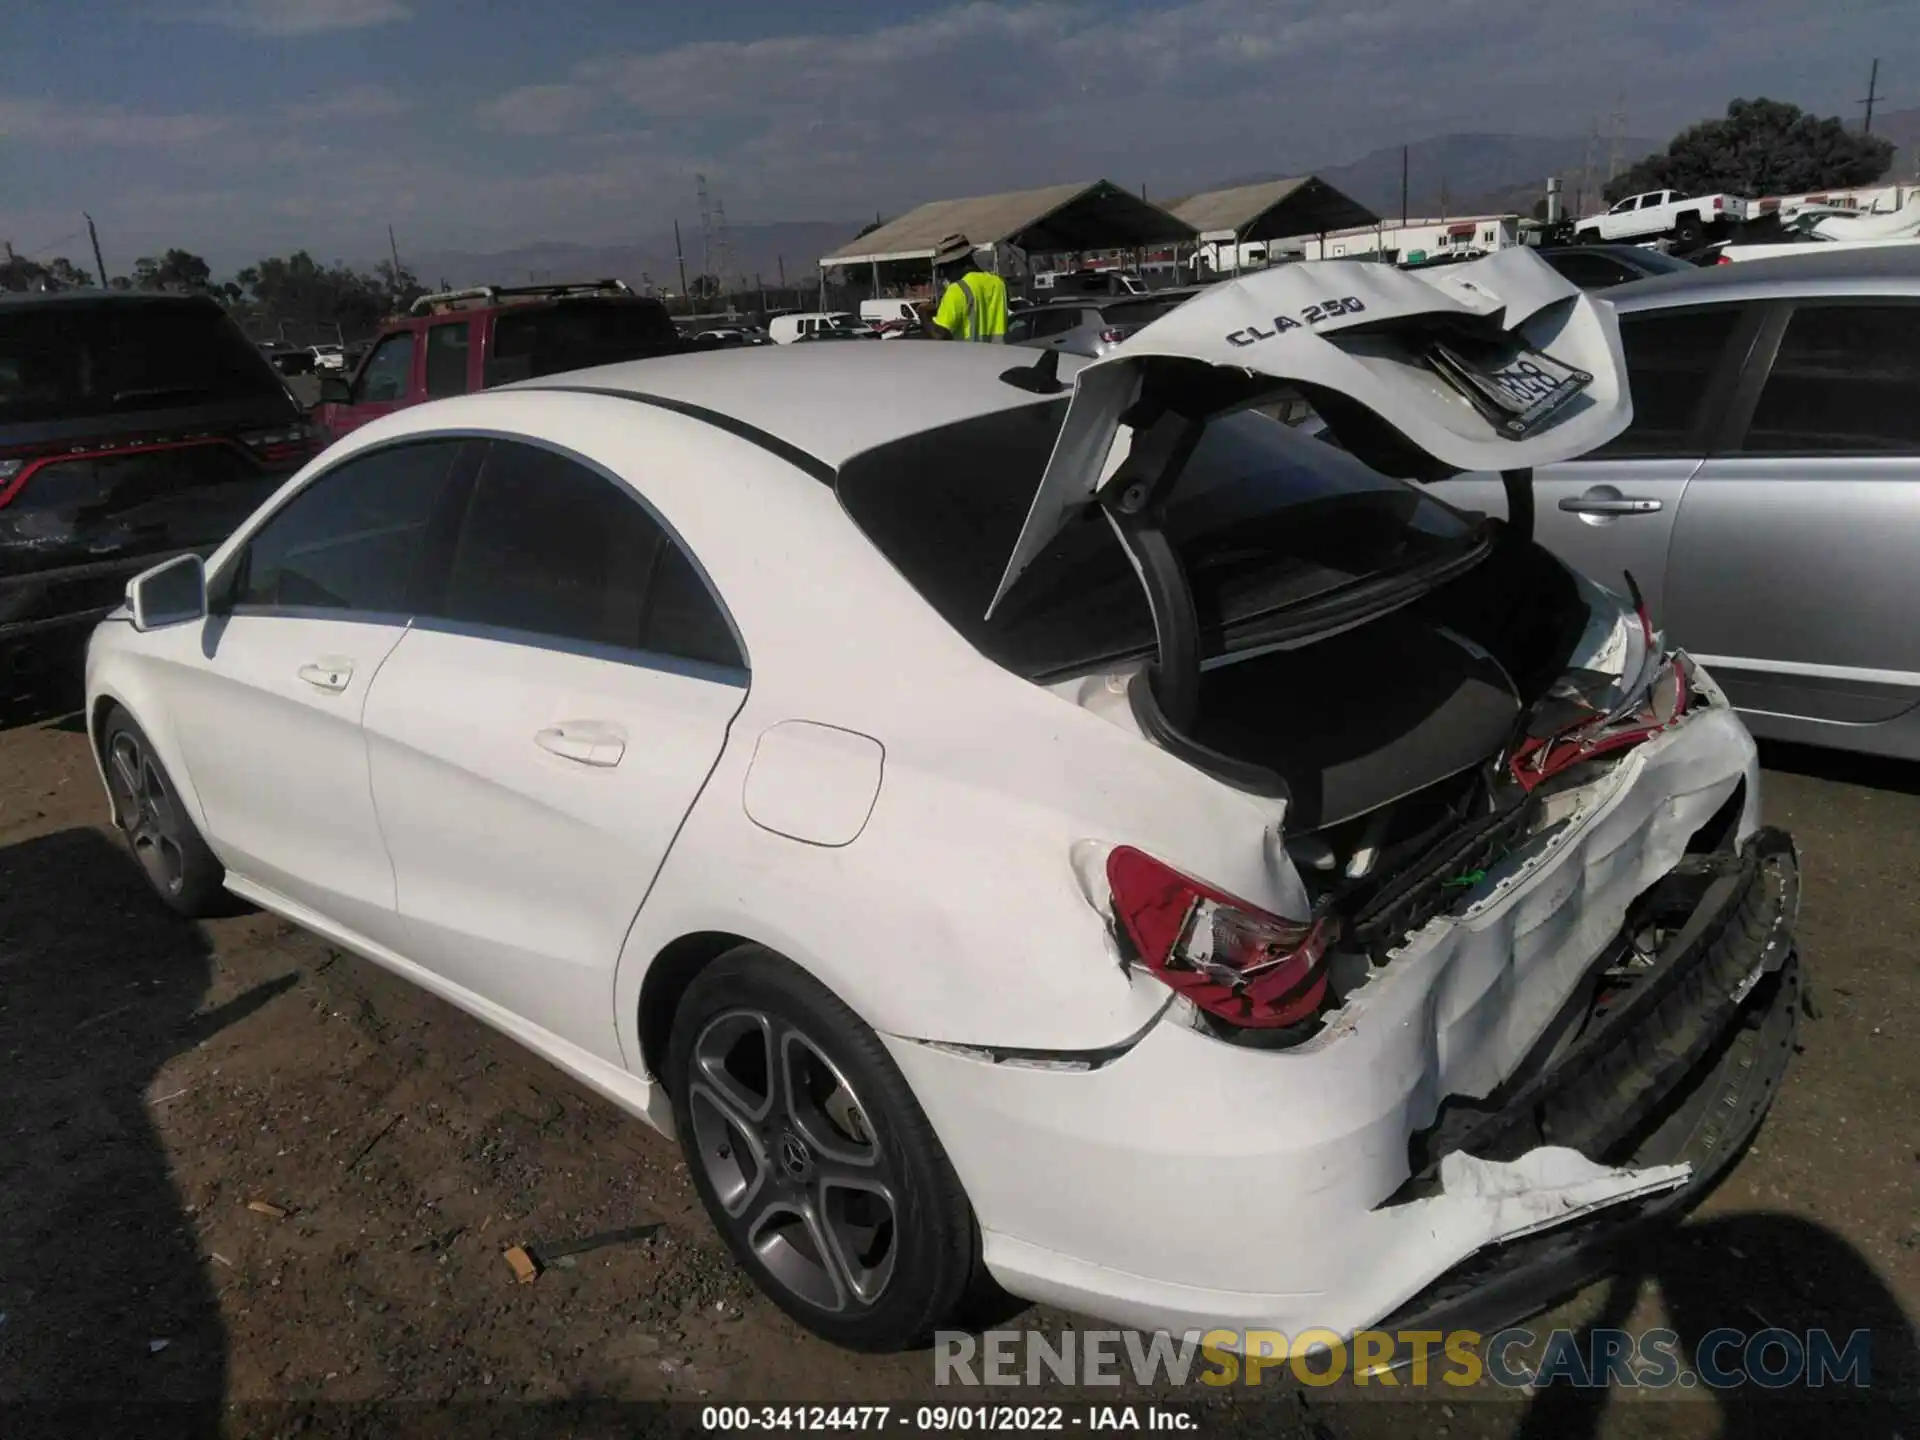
(927, 1419)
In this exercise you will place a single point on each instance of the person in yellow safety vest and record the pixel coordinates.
(974, 304)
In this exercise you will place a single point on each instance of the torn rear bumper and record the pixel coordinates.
(1187, 1184)
(1679, 1071)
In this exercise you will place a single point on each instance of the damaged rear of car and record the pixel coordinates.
(1519, 975)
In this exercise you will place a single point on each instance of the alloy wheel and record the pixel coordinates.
(153, 824)
(793, 1160)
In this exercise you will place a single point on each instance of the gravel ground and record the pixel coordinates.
(243, 1170)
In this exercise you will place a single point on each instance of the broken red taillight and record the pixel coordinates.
(1232, 959)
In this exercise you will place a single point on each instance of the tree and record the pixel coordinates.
(19, 273)
(175, 270)
(68, 276)
(704, 287)
(1762, 147)
(300, 290)
(402, 287)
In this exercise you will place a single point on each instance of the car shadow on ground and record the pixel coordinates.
(1750, 1273)
(106, 1306)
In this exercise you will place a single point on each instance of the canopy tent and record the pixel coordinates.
(1272, 210)
(1095, 216)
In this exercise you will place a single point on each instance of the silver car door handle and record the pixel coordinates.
(585, 743)
(1605, 505)
(331, 675)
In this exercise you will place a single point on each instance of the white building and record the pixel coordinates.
(1423, 239)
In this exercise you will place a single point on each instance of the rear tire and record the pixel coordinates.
(814, 1160)
(183, 872)
(1691, 234)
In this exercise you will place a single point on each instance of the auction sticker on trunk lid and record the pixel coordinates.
(1516, 391)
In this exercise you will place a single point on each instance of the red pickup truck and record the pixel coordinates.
(466, 340)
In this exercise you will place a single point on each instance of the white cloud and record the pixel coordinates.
(355, 102)
(56, 123)
(299, 17)
(538, 109)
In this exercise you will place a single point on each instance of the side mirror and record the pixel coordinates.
(169, 594)
(336, 390)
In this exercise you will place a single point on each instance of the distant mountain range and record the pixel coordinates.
(1452, 174)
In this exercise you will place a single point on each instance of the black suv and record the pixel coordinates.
(133, 428)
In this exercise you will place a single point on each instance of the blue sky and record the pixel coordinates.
(238, 128)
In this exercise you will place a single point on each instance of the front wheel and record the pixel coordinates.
(183, 872)
(814, 1160)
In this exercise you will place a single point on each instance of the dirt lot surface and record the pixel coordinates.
(244, 1170)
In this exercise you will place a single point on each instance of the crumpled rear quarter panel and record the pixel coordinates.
(1194, 1182)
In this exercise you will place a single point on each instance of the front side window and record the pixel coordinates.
(1844, 381)
(1672, 358)
(551, 548)
(389, 370)
(357, 538)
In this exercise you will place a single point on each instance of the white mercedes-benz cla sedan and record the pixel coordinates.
(1014, 820)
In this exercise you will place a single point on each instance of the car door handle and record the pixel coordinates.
(330, 674)
(585, 742)
(1609, 505)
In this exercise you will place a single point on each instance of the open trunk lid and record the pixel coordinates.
(1499, 364)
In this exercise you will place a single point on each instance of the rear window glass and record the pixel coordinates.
(1264, 519)
(546, 339)
(70, 361)
(1141, 312)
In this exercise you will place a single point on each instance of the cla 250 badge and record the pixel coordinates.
(1312, 315)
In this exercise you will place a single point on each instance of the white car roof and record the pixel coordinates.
(831, 401)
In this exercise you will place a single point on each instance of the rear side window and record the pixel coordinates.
(1590, 272)
(551, 548)
(573, 334)
(1263, 518)
(1055, 320)
(71, 360)
(358, 538)
(1141, 312)
(1672, 358)
(447, 359)
(1846, 380)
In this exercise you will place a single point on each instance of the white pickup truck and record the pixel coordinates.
(1690, 220)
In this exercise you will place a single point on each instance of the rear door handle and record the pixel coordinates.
(1609, 505)
(330, 673)
(585, 742)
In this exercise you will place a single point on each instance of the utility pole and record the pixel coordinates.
(706, 225)
(98, 263)
(394, 251)
(1585, 197)
(1617, 128)
(681, 256)
(1873, 93)
(1403, 186)
(781, 261)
